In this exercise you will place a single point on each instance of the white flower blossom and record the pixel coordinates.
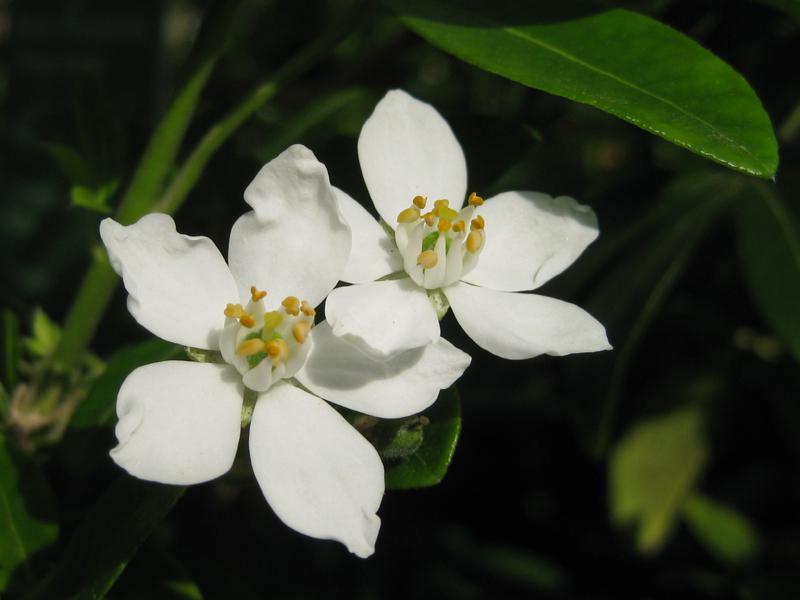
(474, 258)
(180, 422)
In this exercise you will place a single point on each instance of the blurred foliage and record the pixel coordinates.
(667, 468)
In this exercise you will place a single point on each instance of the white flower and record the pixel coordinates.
(476, 257)
(180, 422)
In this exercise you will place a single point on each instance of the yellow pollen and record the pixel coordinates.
(474, 199)
(444, 225)
(271, 320)
(447, 213)
(409, 215)
(300, 331)
(247, 320)
(420, 202)
(307, 309)
(234, 311)
(459, 226)
(440, 203)
(250, 347)
(477, 223)
(292, 305)
(429, 218)
(475, 240)
(427, 259)
(256, 294)
(277, 350)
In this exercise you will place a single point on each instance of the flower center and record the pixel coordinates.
(440, 246)
(266, 346)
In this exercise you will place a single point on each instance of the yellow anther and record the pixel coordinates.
(300, 331)
(420, 202)
(250, 347)
(271, 320)
(447, 213)
(408, 215)
(477, 223)
(234, 311)
(277, 350)
(430, 218)
(247, 320)
(292, 305)
(256, 294)
(459, 226)
(307, 309)
(427, 259)
(475, 240)
(474, 199)
(444, 202)
(444, 225)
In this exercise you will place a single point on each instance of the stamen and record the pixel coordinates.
(300, 331)
(247, 320)
(420, 202)
(459, 226)
(234, 311)
(256, 294)
(250, 347)
(408, 215)
(475, 240)
(474, 199)
(271, 320)
(292, 305)
(444, 202)
(444, 225)
(427, 259)
(429, 218)
(477, 223)
(277, 350)
(307, 309)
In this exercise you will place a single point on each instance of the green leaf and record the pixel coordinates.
(105, 542)
(98, 407)
(769, 243)
(616, 60)
(94, 198)
(653, 469)
(72, 165)
(25, 526)
(726, 533)
(11, 343)
(428, 464)
(45, 334)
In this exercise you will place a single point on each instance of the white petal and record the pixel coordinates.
(179, 422)
(530, 238)
(373, 254)
(295, 243)
(513, 325)
(319, 475)
(178, 285)
(407, 149)
(384, 317)
(393, 388)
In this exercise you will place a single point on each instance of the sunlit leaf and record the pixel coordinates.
(653, 469)
(769, 242)
(427, 465)
(616, 60)
(726, 533)
(99, 406)
(26, 524)
(104, 543)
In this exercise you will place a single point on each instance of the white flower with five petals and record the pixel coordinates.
(474, 259)
(180, 422)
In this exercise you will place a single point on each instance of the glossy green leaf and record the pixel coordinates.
(726, 533)
(26, 526)
(769, 243)
(616, 60)
(99, 406)
(427, 465)
(653, 469)
(104, 543)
